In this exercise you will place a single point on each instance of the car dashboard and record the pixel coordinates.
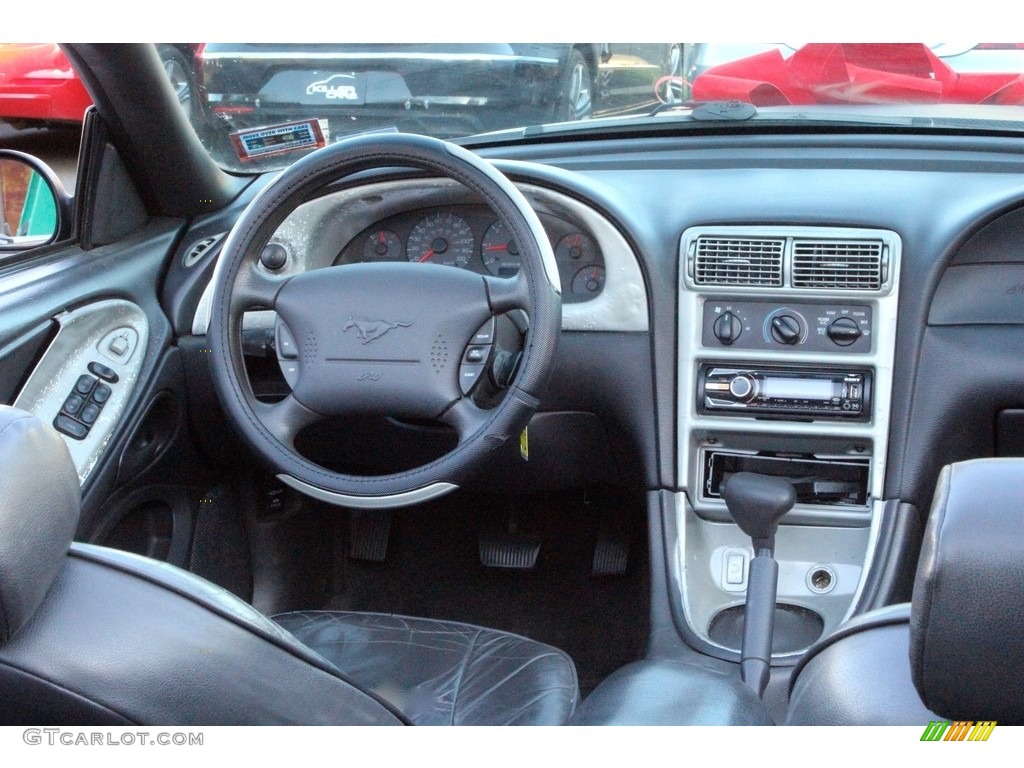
(841, 310)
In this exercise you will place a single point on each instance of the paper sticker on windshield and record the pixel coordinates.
(278, 139)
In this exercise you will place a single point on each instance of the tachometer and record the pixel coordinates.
(441, 238)
(500, 251)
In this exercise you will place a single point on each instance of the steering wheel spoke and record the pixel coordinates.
(507, 293)
(465, 417)
(255, 289)
(286, 418)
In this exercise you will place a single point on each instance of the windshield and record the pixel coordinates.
(260, 106)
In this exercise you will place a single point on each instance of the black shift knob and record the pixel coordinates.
(756, 503)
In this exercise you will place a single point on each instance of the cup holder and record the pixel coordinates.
(796, 628)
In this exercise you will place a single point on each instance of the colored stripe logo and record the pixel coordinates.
(960, 730)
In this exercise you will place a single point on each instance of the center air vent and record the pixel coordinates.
(738, 261)
(757, 259)
(843, 264)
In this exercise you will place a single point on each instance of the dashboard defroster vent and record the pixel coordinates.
(841, 264)
(738, 261)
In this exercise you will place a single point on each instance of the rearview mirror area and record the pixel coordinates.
(33, 204)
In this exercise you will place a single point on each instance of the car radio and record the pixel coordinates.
(785, 392)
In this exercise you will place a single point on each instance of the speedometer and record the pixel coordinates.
(441, 238)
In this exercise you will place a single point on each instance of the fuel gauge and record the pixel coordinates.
(382, 245)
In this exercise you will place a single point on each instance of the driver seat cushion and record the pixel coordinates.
(443, 672)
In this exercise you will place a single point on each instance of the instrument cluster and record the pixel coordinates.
(471, 237)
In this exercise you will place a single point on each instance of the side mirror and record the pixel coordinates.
(35, 209)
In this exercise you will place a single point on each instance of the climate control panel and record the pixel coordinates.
(796, 326)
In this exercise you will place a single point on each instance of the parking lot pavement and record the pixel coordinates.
(57, 147)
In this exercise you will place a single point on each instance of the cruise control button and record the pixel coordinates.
(485, 333)
(468, 376)
(476, 354)
(70, 427)
(105, 373)
(287, 349)
(84, 384)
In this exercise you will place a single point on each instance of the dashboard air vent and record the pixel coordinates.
(842, 264)
(738, 261)
(200, 249)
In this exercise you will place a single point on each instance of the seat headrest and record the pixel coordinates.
(967, 622)
(39, 506)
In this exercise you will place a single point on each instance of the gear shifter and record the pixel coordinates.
(757, 503)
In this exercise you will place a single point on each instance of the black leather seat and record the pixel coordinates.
(953, 653)
(94, 636)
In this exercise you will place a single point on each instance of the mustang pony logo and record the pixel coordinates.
(370, 330)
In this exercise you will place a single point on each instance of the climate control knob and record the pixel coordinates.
(727, 328)
(785, 329)
(844, 331)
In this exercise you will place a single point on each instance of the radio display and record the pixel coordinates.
(800, 389)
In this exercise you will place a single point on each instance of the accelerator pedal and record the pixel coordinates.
(369, 531)
(611, 553)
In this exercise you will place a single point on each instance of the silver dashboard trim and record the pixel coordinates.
(703, 525)
(621, 306)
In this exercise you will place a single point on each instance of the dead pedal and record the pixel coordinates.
(369, 531)
(516, 551)
(611, 557)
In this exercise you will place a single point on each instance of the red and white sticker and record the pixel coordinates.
(255, 143)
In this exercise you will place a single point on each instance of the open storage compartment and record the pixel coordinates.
(818, 480)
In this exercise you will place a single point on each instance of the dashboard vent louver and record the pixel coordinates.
(200, 249)
(738, 261)
(841, 264)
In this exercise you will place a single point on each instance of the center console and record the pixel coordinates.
(786, 346)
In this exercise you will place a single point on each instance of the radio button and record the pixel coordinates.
(741, 387)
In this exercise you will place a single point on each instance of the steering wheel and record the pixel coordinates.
(381, 338)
